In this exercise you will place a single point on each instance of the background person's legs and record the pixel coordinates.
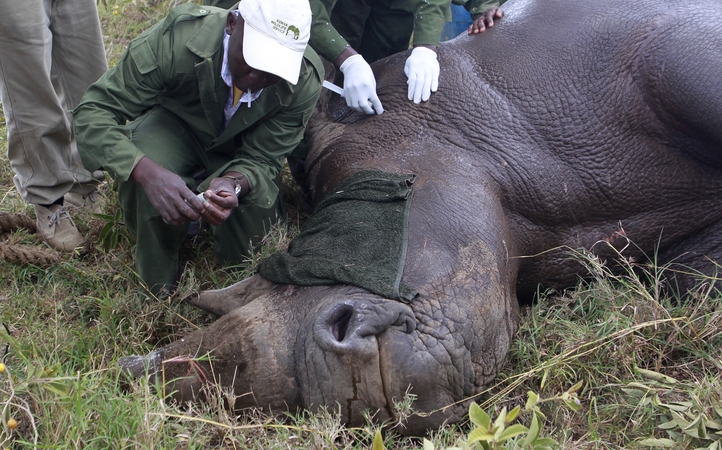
(78, 60)
(37, 90)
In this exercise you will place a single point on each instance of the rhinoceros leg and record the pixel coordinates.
(223, 301)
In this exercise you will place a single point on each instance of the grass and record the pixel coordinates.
(65, 326)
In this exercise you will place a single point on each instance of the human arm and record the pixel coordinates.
(422, 67)
(359, 85)
(135, 85)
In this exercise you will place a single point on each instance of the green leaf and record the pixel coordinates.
(479, 434)
(52, 371)
(512, 431)
(668, 425)
(544, 379)
(637, 385)
(545, 442)
(658, 442)
(57, 387)
(656, 376)
(107, 228)
(499, 422)
(573, 403)
(696, 428)
(479, 417)
(677, 417)
(686, 405)
(512, 414)
(576, 387)
(674, 406)
(634, 393)
(378, 441)
(534, 430)
(532, 400)
(105, 217)
(428, 445)
(34, 372)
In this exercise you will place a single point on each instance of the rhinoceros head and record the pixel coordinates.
(282, 347)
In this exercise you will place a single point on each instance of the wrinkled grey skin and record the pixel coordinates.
(569, 124)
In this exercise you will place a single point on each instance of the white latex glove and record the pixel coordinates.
(359, 85)
(422, 69)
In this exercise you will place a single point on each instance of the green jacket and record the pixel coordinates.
(177, 64)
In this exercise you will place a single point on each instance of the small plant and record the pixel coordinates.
(14, 391)
(491, 434)
(687, 421)
(114, 230)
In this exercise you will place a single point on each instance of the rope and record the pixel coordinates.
(18, 253)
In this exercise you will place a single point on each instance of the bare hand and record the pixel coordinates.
(485, 20)
(220, 201)
(167, 192)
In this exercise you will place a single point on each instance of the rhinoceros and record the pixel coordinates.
(570, 124)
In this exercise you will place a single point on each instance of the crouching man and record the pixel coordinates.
(228, 91)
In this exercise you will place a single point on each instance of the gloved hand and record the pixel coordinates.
(359, 85)
(422, 69)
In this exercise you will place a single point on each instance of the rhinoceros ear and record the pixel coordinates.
(223, 301)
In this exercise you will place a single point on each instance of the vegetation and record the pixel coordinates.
(610, 364)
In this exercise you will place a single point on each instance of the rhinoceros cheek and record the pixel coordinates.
(433, 379)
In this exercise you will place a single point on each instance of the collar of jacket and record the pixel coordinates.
(207, 43)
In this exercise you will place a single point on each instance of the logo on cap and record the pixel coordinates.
(284, 28)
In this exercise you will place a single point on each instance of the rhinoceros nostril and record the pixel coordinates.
(339, 323)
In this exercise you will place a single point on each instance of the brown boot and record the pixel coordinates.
(92, 201)
(57, 228)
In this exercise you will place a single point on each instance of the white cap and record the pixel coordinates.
(275, 35)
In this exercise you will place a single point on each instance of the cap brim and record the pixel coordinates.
(266, 54)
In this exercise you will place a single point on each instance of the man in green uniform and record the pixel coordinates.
(228, 91)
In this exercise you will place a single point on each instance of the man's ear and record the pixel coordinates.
(231, 22)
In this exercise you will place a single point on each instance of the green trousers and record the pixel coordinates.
(375, 28)
(165, 138)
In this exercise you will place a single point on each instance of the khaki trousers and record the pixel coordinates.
(50, 52)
